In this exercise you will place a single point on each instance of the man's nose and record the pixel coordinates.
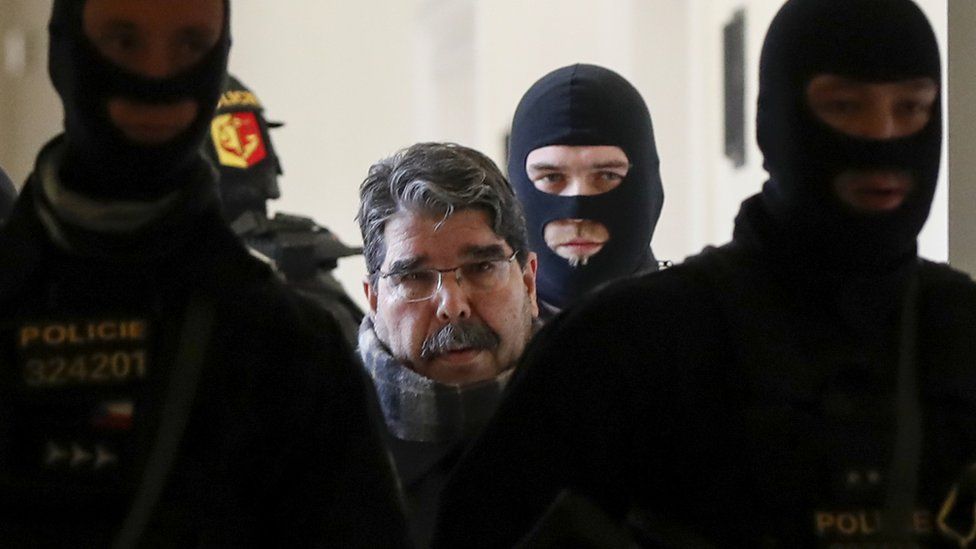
(452, 300)
(574, 186)
(156, 62)
(880, 123)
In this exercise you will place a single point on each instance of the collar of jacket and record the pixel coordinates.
(61, 204)
(119, 229)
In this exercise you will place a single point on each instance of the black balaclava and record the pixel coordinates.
(588, 105)
(99, 161)
(868, 40)
(240, 147)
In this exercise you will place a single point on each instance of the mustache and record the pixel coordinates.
(459, 335)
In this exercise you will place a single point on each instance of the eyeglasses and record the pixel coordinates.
(423, 284)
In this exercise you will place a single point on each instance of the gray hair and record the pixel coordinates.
(436, 179)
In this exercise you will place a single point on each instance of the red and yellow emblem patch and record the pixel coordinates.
(237, 138)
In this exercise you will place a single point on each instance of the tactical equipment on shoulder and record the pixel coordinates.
(304, 254)
(298, 246)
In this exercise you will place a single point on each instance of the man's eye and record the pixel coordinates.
(119, 42)
(413, 277)
(912, 107)
(480, 271)
(611, 176)
(840, 106)
(194, 44)
(192, 47)
(550, 179)
(483, 266)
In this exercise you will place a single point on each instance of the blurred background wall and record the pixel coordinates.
(355, 81)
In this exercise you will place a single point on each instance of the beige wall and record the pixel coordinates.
(962, 133)
(30, 112)
(340, 75)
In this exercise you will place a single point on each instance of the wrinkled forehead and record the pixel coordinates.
(423, 239)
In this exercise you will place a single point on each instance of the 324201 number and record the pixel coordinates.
(86, 369)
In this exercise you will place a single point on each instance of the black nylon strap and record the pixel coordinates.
(194, 339)
(903, 473)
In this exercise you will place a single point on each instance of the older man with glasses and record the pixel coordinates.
(451, 291)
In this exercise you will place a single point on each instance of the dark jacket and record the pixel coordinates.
(427, 425)
(423, 468)
(548, 310)
(737, 399)
(277, 449)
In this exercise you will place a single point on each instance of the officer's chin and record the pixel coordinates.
(579, 254)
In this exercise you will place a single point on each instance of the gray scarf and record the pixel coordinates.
(420, 409)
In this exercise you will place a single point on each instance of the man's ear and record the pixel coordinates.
(370, 292)
(528, 277)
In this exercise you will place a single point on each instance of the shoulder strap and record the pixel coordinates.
(903, 474)
(714, 265)
(179, 398)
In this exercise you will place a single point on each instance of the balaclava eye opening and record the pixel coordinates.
(587, 105)
(240, 147)
(875, 41)
(99, 161)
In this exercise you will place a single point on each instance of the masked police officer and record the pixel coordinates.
(585, 168)
(811, 383)
(158, 385)
(303, 252)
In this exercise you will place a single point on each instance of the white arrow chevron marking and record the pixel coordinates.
(54, 453)
(79, 455)
(103, 457)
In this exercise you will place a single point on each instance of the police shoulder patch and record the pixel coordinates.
(237, 139)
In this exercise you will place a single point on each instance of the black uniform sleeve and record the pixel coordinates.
(569, 420)
(367, 510)
(341, 491)
(597, 406)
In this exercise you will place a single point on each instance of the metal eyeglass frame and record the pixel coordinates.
(441, 273)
